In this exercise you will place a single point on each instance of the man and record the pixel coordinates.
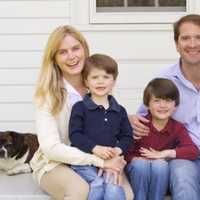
(184, 174)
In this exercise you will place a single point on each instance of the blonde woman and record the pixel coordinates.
(59, 87)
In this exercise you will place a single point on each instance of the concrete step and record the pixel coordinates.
(20, 187)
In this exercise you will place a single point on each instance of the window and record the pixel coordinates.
(139, 11)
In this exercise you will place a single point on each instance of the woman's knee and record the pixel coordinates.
(81, 193)
(63, 183)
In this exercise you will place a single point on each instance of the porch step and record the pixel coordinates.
(20, 187)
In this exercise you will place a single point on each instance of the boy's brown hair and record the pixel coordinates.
(100, 61)
(192, 18)
(161, 88)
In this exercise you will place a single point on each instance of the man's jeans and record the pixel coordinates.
(99, 189)
(148, 178)
(185, 179)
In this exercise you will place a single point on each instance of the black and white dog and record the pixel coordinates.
(16, 150)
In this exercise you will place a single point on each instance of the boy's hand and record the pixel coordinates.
(118, 151)
(113, 177)
(117, 163)
(153, 154)
(104, 152)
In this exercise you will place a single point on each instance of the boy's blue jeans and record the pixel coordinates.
(149, 178)
(99, 189)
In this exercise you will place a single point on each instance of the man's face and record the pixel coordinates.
(188, 44)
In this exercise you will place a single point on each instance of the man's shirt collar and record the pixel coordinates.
(178, 74)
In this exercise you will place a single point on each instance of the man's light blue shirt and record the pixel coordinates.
(188, 112)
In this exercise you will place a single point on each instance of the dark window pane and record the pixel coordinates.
(172, 2)
(141, 3)
(109, 3)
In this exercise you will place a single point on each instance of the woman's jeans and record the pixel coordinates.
(149, 178)
(99, 189)
(185, 179)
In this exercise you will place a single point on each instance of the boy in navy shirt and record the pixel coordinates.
(99, 125)
(147, 168)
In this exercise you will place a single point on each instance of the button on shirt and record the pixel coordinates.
(188, 112)
(90, 125)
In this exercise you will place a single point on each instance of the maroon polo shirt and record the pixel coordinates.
(173, 136)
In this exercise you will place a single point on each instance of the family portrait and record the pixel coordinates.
(101, 103)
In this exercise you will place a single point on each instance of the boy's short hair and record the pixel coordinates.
(100, 61)
(161, 88)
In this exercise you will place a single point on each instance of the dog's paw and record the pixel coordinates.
(25, 168)
(11, 172)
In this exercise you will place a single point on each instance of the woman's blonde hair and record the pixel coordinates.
(50, 82)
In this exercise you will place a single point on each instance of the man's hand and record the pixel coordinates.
(153, 154)
(104, 152)
(139, 129)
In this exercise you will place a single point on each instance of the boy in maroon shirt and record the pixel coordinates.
(148, 158)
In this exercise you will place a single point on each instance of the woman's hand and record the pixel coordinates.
(117, 163)
(139, 129)
(104, 152)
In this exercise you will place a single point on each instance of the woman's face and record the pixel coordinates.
(70, 56)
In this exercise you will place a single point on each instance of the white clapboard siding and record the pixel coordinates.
(34, 9)
(137, 74)
(117, 44)
(25, 27)
(139, 45)
(14, 93)
(31, 25)
(17, 112)
(20, 59)
(132, 79)
(18, 76)
(21, 126)
(23, 42)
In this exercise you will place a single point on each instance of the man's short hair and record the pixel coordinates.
(192, 18)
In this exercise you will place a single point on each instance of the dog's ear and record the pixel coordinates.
(18, 141)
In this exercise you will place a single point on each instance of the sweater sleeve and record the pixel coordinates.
(185, 149)
(52, 145)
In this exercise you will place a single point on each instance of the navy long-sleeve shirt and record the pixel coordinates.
(92, 125)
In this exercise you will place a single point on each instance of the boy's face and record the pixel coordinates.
(99, 82)
(161, 109)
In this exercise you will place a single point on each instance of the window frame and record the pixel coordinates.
(139, 17)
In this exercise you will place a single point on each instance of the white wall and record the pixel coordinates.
(140, 49)
(25, 26)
